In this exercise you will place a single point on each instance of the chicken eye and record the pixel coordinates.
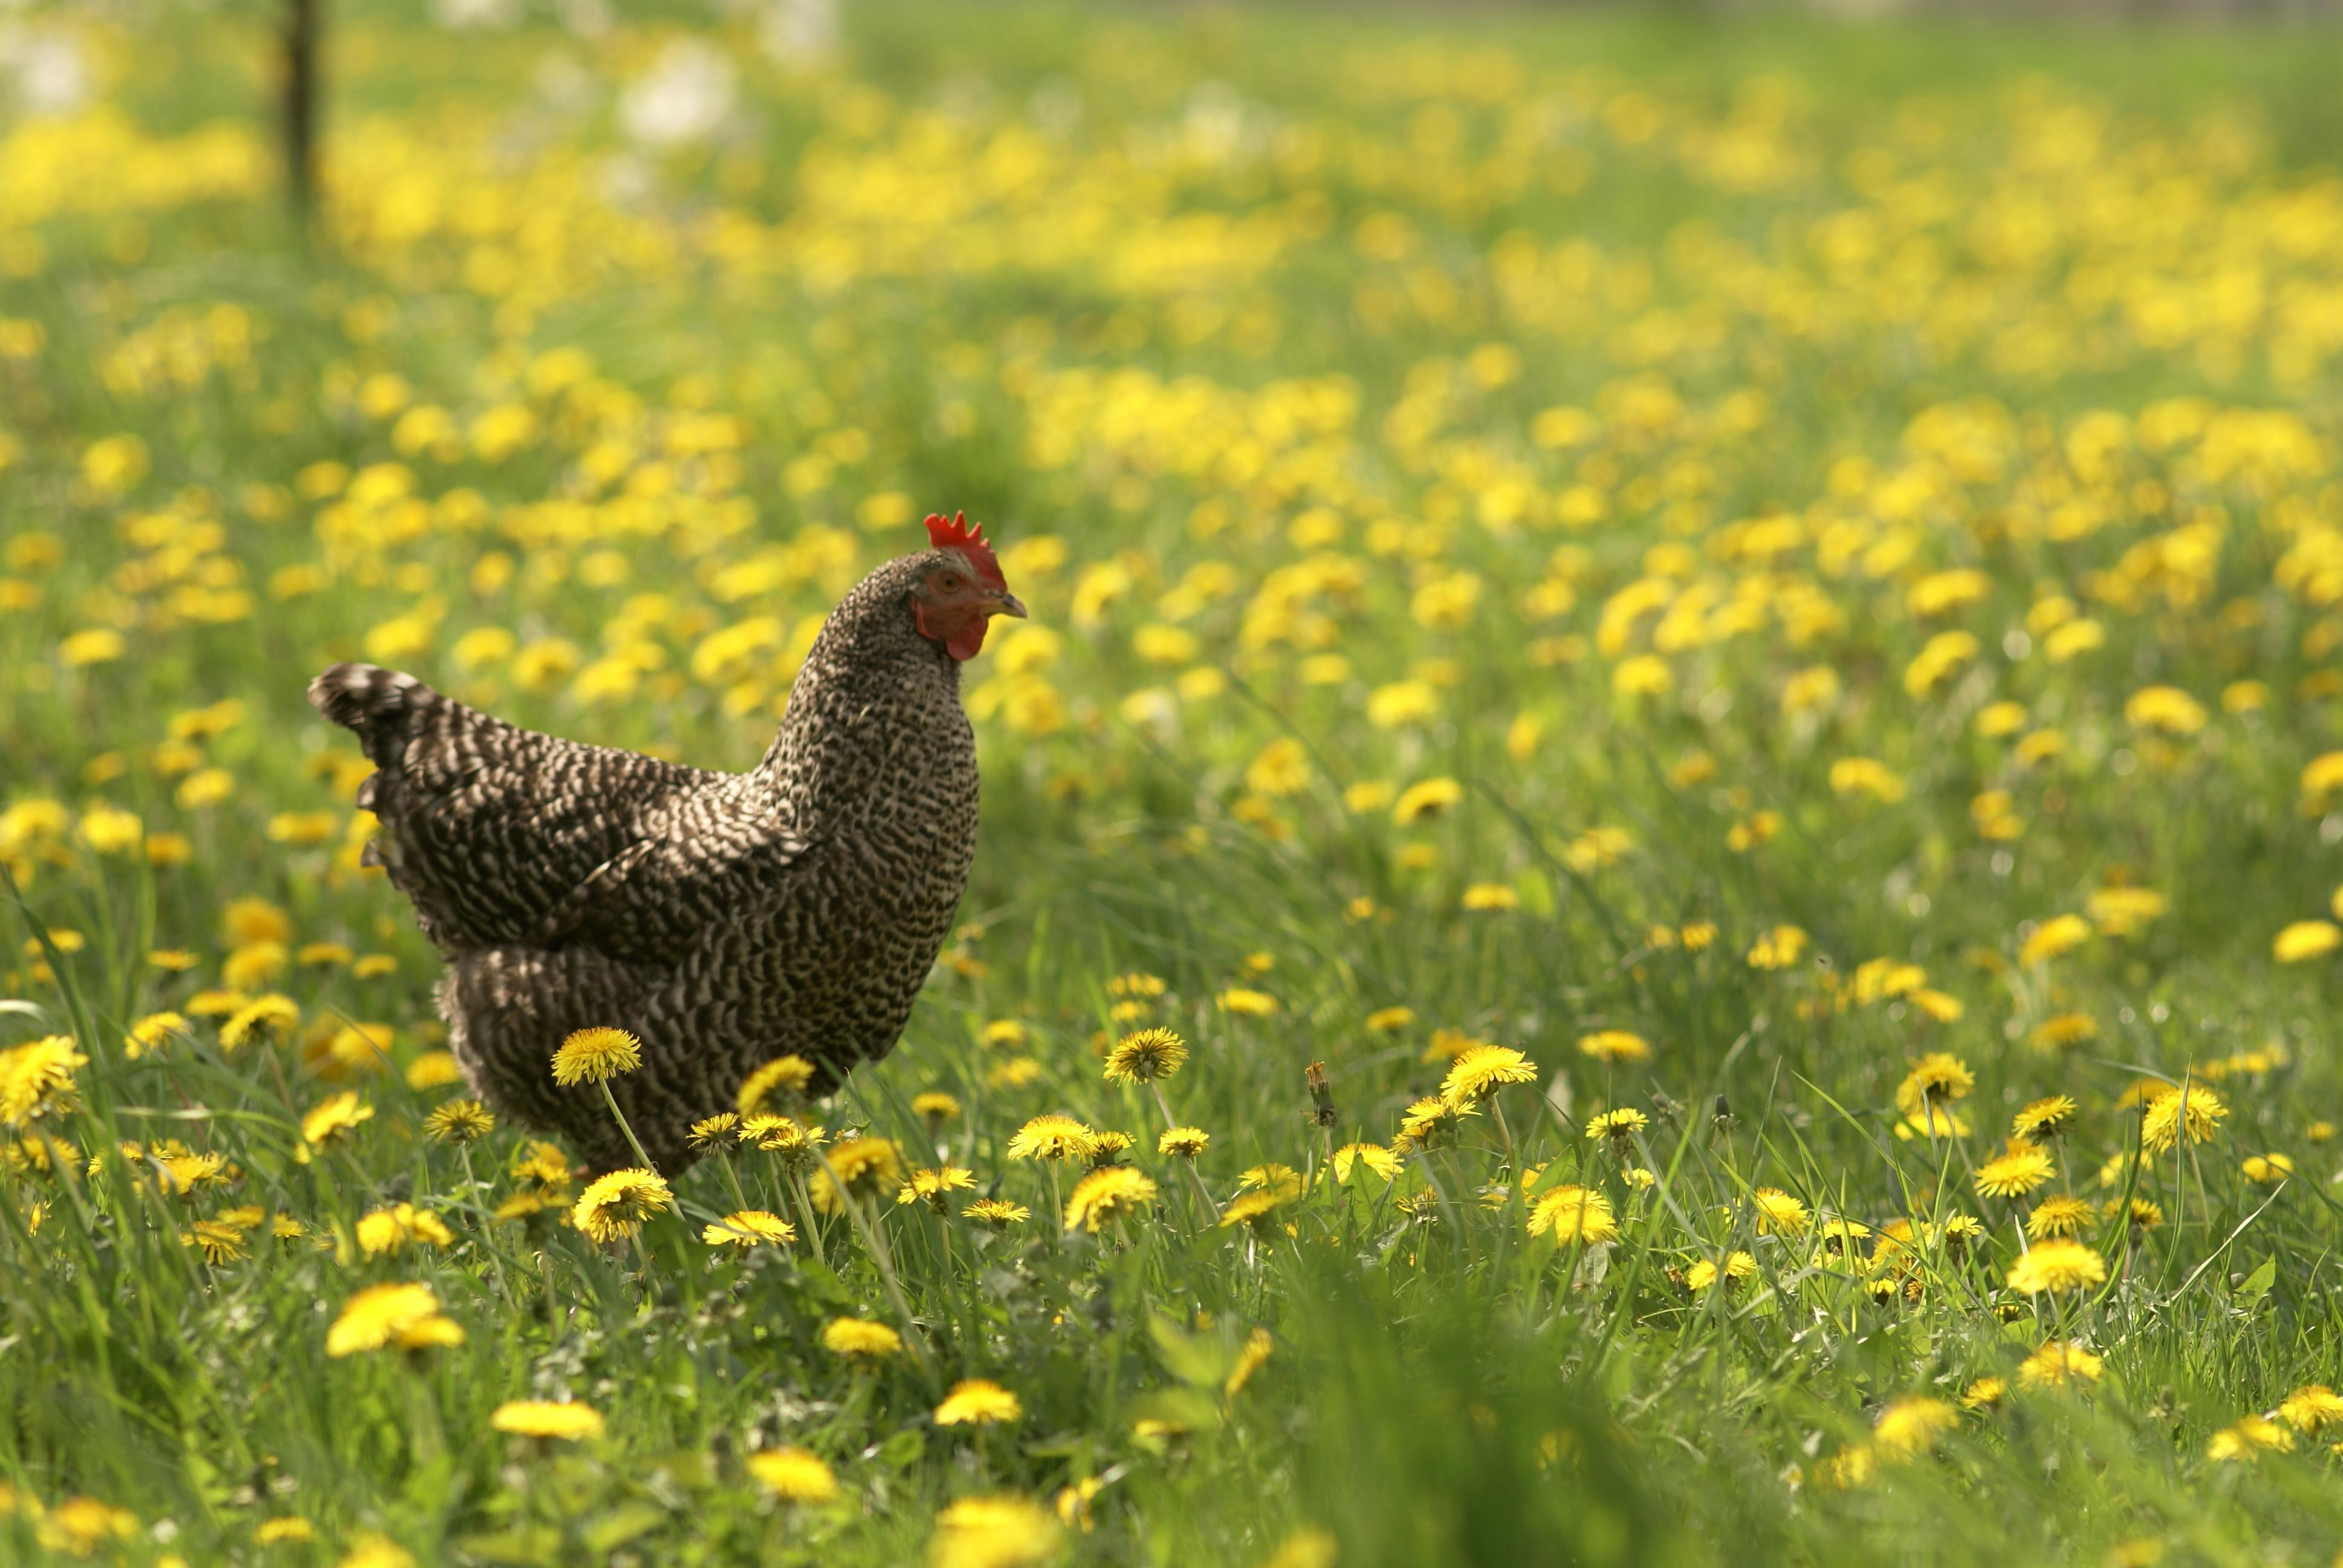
(949, 582)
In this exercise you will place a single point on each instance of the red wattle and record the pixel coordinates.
(965, 644)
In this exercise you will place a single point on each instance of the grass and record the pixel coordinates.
(1784, 573)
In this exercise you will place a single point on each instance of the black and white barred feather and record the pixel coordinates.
(726, 918)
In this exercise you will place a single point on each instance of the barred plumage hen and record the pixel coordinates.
(726, 918)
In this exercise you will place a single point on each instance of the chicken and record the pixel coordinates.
(724, 919)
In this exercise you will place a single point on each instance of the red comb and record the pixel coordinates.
(956, 535)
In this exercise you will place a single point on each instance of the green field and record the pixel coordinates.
(1736, 624)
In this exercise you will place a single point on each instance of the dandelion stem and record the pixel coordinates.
(877, 1244)
(634, 1143)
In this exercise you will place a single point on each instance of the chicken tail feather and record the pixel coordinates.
(372, 701)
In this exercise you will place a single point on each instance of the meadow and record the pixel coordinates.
(1660, 874)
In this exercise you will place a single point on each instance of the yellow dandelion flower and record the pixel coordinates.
(2055, 936)
(433, 1069)
(393, 1229)
(1428, 799)
(934, 1186)
(2015, 1173)
(997, 1213)
(1620, 1124)
(1614, 1045)
(859, 1339)
(2045, 1118)
(1246, 1003)
(1183, 1142)
(36, 1078)
(615, 1206)
(1704, 1274)
(2057, 1266)
(407, 1315)
(592, 1055)
(2191, 1110)
(2247, 1440)
(459, 1121)
(978, 1402)
(2058, 1215)
(786, 1076)
(2313, 1408)
(1574, 1214)
(865, 1167)
(2306, 940)
(1984, 1393)
(1145, 1056)
(1052, 1137)
(2268, 1170)
(1374, 1156)
(563, 1421)
(1938, 1079)
(333, 1118)
(1431, 1123)
(749, 1228)
(1909, 1427)
(1778, 949)
(152, 1033)
(1482, 1070)
(1109, 1194)
(995, 1532)
(793, 1474)
(2059, 1363)
(1779, 1213)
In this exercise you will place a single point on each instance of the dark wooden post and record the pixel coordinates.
(301, 105)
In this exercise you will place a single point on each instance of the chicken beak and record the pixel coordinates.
(1005, 604)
